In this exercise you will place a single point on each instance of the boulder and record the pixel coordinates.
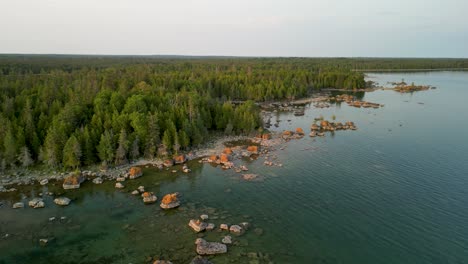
(162, 262)
(252, 149)
(224, 227)
(44, 182)
(119, 185)
(120, 179)
(141, 189)
(204, 217)
(266, 136)
(197, 225)
(185, 169)
(149, 197)
(97, 180)
(227, 240)
(209, 248)
(227, 151)
(135, 192)
(223, 158)
(168, 163)
(64, 201)
(170, 201)
(36, 203)
(213, 158)
(180, 159)
(314, 127)
(299, 131)
(73, 181)
(18, 205)
(235, 229)
(313, 134)
(135, 172)
(210, 227)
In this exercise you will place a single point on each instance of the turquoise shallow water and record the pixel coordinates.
(394, 191)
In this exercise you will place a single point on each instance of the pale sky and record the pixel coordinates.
(304, 28)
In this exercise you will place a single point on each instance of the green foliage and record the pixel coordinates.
(72, 153)
(64, 110)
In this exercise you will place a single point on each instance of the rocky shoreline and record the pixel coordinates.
(31, 177)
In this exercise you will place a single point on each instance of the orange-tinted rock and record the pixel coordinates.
(149, 197)
(227, 151)
(168, 163)
(180, 159)
(266, 136)
(170, 201)
(224, 157)
(73, 181)
(135, 172)
(324, 123)
(299, 131)
(287, 133)
(213, 158)
(253, 149)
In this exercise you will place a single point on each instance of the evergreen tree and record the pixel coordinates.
(72, 153)
(106, 148)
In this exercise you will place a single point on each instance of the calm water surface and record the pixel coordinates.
(394, 191)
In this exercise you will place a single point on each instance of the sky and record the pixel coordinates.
(292, 28)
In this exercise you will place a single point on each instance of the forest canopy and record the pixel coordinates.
(68, 111)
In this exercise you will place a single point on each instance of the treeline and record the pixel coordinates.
(70, 111)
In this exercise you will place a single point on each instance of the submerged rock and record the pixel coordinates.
(204, 217)
(197, 225)
(227, 240)
(200, 260)
(170, 201)
(210, 227)
(149, 197)
(36, 203)
(235, 229)
(44, 182)
(119, 185)
(135, 172)
(209, 248)
(18, 205)
(62, 201)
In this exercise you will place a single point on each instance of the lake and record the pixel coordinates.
(394, 191)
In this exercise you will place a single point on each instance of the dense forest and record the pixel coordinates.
(69, 111)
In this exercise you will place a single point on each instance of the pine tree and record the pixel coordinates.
(72, 153)
(10, 148)
(106, 148)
